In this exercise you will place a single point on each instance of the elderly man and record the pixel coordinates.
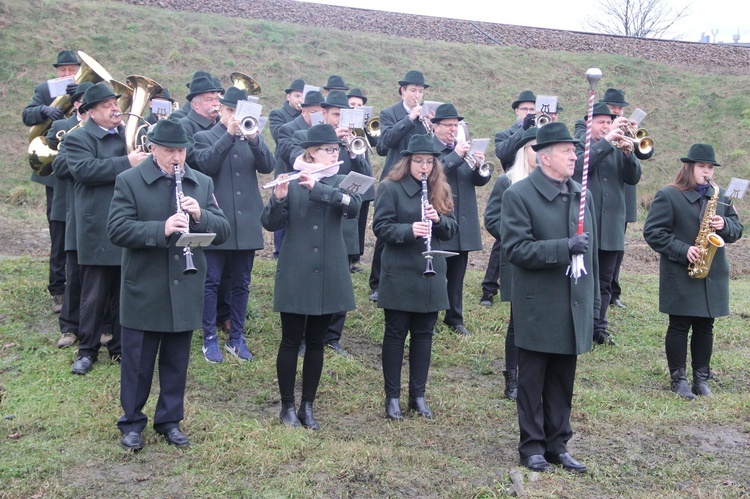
(96, 154)
(204, 109)
(553, 313)
(161, 303)
(233, 162)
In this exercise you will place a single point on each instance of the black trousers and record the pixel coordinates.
(701, 341)
(293, 328)
(511, 350)
(335, 327)
(56, 285)
(100, 303)
(455, 273)
(616, 289)
(397, 325)
(491, 282)
(545, 394)
(363, 211)
(377, 254)
(71, 307)
(139, 350)
(607, 264)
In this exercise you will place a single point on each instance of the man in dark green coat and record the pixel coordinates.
(204, 102)
(160, 302)
(553, 314)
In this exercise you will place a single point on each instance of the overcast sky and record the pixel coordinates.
(724, 16)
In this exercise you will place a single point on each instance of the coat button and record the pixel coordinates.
(169, 182)
(237, 174)
(317, 272)
(315, 227)
(234, 156)
(565, 199)
(238, 193)
(177, 257)
(315, 250)
(151, 242)
(326, 197)
(239, 212)
(604, 179)
(575, 303)
(176, 282)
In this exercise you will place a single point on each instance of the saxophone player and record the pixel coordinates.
(681, 212)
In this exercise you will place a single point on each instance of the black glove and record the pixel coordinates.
(578, 244)
(71, 88)
(53, 113)
(529, 121)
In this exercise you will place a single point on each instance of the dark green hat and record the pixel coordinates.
(202, 85)
(232, 96)
(600, 108)
(296, 86)
(420, 144)
(80, 90)
(614, 96)
(218, 84)
(525, 96)
(527, 137)
(170, 133)
(335, 98)
(96, 94)
(313, 98)
(413, 78)
(355, 92)
(318, 135)
(198, 74)
(335, 82)
(67, 58)
(553, 133)
(164, 94)
(444, 112)
(701, 153)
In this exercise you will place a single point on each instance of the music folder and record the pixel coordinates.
(195, 239)
(57, 86)
(478, 145)
(737, 188)
(356, 183)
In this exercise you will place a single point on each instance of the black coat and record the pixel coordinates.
(395, 131)
(285, 144)
(280, 117)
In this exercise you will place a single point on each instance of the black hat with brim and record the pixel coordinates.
(525, 96)
(420, 144)
(313, 98)
(232, 96)
(80, 90)
(413, 77)
(296, 86)
(553, 133)
(96, 94)
(527, 137)
(198, 74)
(164, 94)
(356, 92)
(615, 97)
(701, 153)
(335, 82)
(335, 98)
(318, 135)
(445, 112)
(203, 85)
(170, 133)
(601, 109)
(67, 58)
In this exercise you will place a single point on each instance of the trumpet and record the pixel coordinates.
(541, 120)
(484, 169)
(295, 176)
(372, 130)
(247, 127)
(636, 140)
(355, 142)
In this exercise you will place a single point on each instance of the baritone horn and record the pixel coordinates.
(144, 89)
(245, 82)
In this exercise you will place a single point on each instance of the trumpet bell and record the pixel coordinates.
(358, 145)
(41, 156)
(486, 169)
(644, 149)
(372, 127)
(541, 120)
(245, 82)
(248, 126)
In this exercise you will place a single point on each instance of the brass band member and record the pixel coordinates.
(411, 300)
(291, 109)
(678, 214)
(204, 102)
(186, 107)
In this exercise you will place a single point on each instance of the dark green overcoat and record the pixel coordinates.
(396, 128)
(285, 144)
(402, 283)
(60, 186)
(95, 158)
(155, 294)
(609, 171)
(62, 172)
(492, 222)
(671, 227)
(193, 124)
(233, 165)
(312, 274)
(32, 113)
(551, 312)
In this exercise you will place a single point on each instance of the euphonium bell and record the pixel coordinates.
(244, 82)
(143, 90)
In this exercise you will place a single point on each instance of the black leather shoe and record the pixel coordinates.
(354, 269)
(486, 300)
(336, 347)
(132, 440)
(617, 303)
(393, 410)
(537, 463)
(175, 437)
(374, 295)
(461, 329)
(418, 404)
(306, 416)
(288, 416)
(567, 462)
(82, 365)
(603, 338)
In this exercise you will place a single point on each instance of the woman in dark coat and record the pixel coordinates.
(411, 300)
(312, 274)
(673, 223)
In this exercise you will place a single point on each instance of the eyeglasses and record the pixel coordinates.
(329, 150)
(449, 125)
(427, 162)
(526, 109)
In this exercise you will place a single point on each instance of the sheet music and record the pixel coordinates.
(161, 107)
(638, 116)
(57, 86)
(478, 145)
(316, 118)
(368, 110)
(262, 123)
(247, 108)
(356, 183)
(253, 98)
(737, 188)
(429, 107)
(352, 118)
(309, 88)
(546, 104)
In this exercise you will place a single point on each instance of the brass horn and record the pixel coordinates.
(244, 82)
(42, 155)
(143, 90)
(125, 93)
(372, 130)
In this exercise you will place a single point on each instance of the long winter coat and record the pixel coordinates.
(492, 222)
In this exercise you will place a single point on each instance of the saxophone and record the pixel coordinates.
(707, 240)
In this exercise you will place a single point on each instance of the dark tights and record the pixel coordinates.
(701, 341)
(293, 328)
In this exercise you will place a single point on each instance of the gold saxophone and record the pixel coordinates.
(707, 240)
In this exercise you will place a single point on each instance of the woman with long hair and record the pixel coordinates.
(410, 299)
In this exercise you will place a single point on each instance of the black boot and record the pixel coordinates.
(419, 405)
(700, 382)
(306, 416)
(511, 383)
(288, 416)
(393, 410)
(679, 384)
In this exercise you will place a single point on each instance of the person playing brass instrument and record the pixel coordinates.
(410, 300)
(677, 215)
(291, 109)
(161, 304)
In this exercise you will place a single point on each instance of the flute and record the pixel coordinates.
(295, 176)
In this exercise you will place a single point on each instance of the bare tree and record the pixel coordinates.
(638, 18)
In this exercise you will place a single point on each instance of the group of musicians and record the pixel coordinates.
(121, 275)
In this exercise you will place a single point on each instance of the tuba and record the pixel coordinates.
(244, 82)
(707, 240)
(143, 89)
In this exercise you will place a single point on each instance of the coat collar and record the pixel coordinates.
(410, 186)
(693, 196)
(151, 173)
(548, 190)
(289, 110)
(301, 123)
(204, 122)
(99, 132)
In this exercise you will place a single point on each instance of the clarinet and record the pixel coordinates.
(189, 267)
(429, 270)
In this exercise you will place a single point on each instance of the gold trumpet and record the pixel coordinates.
(636, 140)
(245, 82)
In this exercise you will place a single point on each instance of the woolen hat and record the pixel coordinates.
(80, 90)
(420, 144)
(525, 96)
(232, 96)
(313, 98)
(444, 112)
(335, 98)
(335, 82)
(527, 137)
(202, 85)
(170, 133)
(96, 94)
(600, 108)
(701, 153)
(198, 74)
(614, 96)
(356, 92)
(553, 133)
(318, 135)
(296, 86)
(67, 58)
(413, 77)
